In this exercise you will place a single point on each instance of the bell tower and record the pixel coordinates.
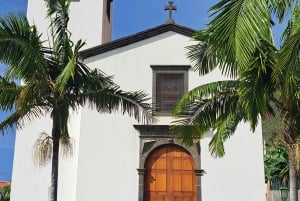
(90, 20)
(107, 21)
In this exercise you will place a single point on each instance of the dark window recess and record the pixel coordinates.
(108, 8)
(169, 90)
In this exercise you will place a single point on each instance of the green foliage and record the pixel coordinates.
(276, 162)
(5, 193)
(271, 125)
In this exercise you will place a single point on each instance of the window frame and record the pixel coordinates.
(168, 69)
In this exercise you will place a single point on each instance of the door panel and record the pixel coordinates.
(157, 198)
(170, 175)
(178, 198)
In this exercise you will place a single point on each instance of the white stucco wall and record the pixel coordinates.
(27, 179)
(237, 176)
(108, 158)
(85, 20)
(30, 182)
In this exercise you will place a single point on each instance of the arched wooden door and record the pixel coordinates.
(170, 175)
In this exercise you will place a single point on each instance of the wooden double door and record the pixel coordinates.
(170, 175)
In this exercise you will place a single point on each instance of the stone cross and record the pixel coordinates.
(170, 8)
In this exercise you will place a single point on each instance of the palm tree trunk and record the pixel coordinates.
(292, 174)
(55, 156)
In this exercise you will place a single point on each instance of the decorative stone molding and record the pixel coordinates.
(154, 136)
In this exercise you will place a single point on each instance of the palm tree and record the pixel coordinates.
(55, 80)
(264, 80)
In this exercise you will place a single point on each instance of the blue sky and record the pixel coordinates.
(130, 16)
(7, 141)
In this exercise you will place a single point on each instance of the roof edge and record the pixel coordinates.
(136, 38)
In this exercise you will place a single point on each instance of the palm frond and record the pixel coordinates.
(22, 116)
(84, 82)
(186, 133)
(203, 59)
(66, 146)
(9, 122)
(69, 71)
(213, 90)
(58, 13)
(21, 48)
(293, 24)
(203, 107)
(112, 98)
(287, 31)
(287, 71)
(42, 150)
(256, 84)
(280, 8)
(35, 93)
(43, 147)
(224, 130)
(234, 29)
(9, 92)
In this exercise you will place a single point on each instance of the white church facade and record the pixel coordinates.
(118, 159)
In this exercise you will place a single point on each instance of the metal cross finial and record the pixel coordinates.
(170, 8)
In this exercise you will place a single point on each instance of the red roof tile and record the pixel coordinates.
(4, 184)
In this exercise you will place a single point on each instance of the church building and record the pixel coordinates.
(115, 158)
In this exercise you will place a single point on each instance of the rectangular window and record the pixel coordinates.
(169, 84)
